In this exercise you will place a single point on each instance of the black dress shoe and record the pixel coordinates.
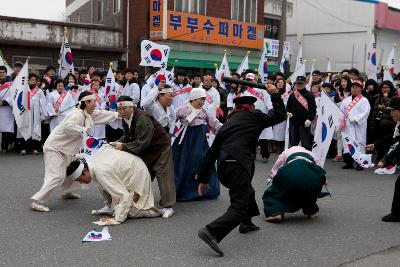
(245, 228)
(391, 218)
(347, 166)
(209, 239)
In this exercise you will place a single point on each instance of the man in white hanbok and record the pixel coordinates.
(64, 142)
(353, 120)
(159, 104)
(6, 115)
(124, 177)
(59, 104)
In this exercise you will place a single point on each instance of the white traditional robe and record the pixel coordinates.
(264, 105)
(359, 113)
(132, 90)
(215, 100)
(181, 99)
(165, 118)
(125, 178)
(6, 114)
(146, 89)
(99, 131)
(67, 105)
(38, 113)
(75, 93)
(64, 142)
(279, 129)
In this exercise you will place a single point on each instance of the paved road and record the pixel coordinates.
(347, 230)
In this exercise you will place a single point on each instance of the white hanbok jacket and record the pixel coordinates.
(359, 113)
(216, 100)
(125, 177)
(165, 118)
(65, 107)
(38, 112)
(66, 138)
(132, 90)
(99, 131)
(6, 114)
(181, 99)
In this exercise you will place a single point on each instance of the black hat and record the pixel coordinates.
(245, 100)
(394, 103)
(300, 79)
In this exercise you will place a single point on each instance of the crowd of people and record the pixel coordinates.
(175, 130)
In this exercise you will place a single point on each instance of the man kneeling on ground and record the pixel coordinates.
(124, 177)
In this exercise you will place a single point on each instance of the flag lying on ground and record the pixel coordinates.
(154, 55)
(65, 60)
(386, 170)
(370, 62)
(356, 151)
(94, 236)
(19, 92)
(223, 71)
(328, 120)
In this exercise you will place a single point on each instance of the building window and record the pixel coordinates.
(191, 6)
(271, 28)
(116, 6)
(100, 10)
(78, 19)
(244, 10)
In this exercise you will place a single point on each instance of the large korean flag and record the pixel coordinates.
(328, 119)
(154, 55)
(20, 102)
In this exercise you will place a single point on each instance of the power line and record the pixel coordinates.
(334, 16)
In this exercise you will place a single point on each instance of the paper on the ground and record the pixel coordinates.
(94, 236)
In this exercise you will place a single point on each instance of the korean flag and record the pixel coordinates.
(154, 55)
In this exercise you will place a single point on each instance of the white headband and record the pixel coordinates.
(78, 172)
(88, 97)
(126, 104)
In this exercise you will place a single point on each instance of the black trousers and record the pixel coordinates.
(263, 143)
(6, 139)
(45, 131)
(348, 159)
(396, 198)
(297, 133)
(242, 196)
(29, 145)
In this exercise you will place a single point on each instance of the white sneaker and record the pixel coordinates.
(167, 212)
(71, 195)
(106, 210)
(39, 207)
(150, 214)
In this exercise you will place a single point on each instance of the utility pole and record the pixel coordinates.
(282, 31)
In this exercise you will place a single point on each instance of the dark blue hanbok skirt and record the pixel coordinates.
(188, 157)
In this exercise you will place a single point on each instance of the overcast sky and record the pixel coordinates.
(55, 9)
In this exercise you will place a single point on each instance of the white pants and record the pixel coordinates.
(55, 164)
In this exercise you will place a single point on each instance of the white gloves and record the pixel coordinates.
(307, 123)
(289, 115)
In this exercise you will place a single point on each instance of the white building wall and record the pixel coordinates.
(338, 28)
